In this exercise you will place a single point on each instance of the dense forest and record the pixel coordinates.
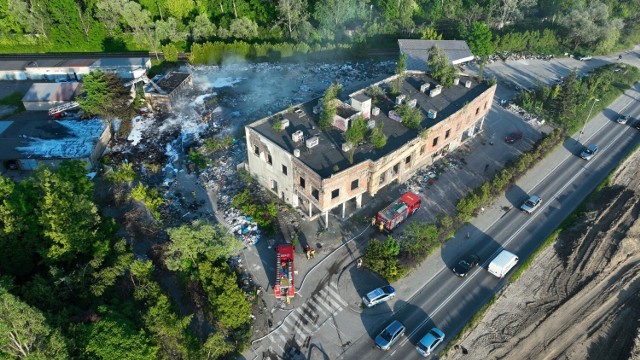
(308, 25)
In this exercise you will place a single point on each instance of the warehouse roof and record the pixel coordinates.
(417, 52)
(51, 92)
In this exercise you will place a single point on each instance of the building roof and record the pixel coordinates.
(49, 139)
(328, 152)
(51, 92)
(134, 62)
(171, 81)
(417, 52)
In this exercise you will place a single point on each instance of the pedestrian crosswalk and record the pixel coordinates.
(307, 318)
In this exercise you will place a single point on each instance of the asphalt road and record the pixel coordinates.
(563, 180)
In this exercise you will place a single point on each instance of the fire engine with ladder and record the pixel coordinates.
(57, 112)
(284, 286)
(397, 212)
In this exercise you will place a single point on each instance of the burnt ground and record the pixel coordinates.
(581, 297)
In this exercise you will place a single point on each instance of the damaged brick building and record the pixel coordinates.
(316, 171)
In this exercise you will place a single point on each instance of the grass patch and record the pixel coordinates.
(14, 99)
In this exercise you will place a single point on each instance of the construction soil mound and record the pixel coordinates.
(581, 297)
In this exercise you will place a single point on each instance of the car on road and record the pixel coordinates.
(390, 335)
(465, 265)
(513, 137)
(585, 58)
(379, 295)
(589, 152)
(622, 119)
(637, 125)
(531, 204)
(429, 342)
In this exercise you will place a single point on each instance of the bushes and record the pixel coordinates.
(535, 41)
(214, 53)
(150, 197)
(263, 215)
(124, 173)
(381, 257)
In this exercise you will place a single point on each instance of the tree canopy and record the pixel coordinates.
(105, 95)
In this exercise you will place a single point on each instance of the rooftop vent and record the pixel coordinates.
(371, 124)
(467, 84)
(311, 142)
(394, 116)
(435, 91)
(412, 103)
(284, 123)
(400, 98)
(296, 153)
(424, 87)
(456, 81)
(431, 114)
(299, 112)
(297, 136)
(375, 111)
(346, 147)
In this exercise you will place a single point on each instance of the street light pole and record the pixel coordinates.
(587, 118)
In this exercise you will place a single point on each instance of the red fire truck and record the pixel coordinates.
(397, 212)
(284, 286)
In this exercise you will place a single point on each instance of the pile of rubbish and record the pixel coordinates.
(528, 117)
(242, 226)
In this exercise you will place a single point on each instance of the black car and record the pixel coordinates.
(465, 265)
(637, 125)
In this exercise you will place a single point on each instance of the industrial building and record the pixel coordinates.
(26, 144)
(417, 52)
(316, 171)
(44, 96)
(162, 91)
(50, 69)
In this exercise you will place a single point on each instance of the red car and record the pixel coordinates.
(513, 137)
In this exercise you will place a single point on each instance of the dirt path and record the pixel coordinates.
(581, 299)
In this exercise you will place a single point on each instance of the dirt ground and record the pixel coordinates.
(581, 297)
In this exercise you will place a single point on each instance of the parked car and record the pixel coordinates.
(379, 295)
(390, 335)
(622, 119)
(589, 152)
(513, 137)
(585, 58)
(531, 204)
(430, 341)
(465, 265)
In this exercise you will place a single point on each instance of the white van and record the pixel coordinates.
(502, 263)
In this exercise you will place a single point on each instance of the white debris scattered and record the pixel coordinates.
(200, 99)
(71, 139)
(139, 125)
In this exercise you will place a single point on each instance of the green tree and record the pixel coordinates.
(216, 346)
(565, 102)
(292, 13)
(105, 95)
(115, 337)
(430, 33)
(243, 28)
(333, 14)
(410, 117)
(381, 257)
(191, 244)
(329, 106)
(589, 25)
(202, 28)
(441, 68)
(479, 39)
(170, 53)
(401, 65)
(378, 139)
(180, 8)
(24, 333)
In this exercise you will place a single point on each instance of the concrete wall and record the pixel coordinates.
(41, 105)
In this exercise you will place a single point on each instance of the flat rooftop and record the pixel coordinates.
(51, 92)
(328, 152)
(47, 139)
(171, 81)
(133, 62)
(417, 52)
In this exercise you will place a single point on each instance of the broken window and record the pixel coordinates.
(435, 141)
(335, 193)
(284, 169)
(315, 193)
(407, 160)
(274, 186)
(256, 150)
(477, 110)
(447, 133)
(269, 159)
(395, 169)
(485, 105)
(422, 149)
(303, 183)
(381, 179)
(355, 184)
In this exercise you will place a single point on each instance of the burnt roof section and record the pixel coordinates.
(417, 52)
(172, 80)
(323, 157)
(51, 92)
(345, 111)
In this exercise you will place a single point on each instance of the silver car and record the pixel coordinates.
(531, 204)
(390, 335)
(589, 152)
(430, 341)
(379, 295)
(622, 119)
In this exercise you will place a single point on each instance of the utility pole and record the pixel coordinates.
(587, 118)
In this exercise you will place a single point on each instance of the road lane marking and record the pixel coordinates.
(507, 242)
